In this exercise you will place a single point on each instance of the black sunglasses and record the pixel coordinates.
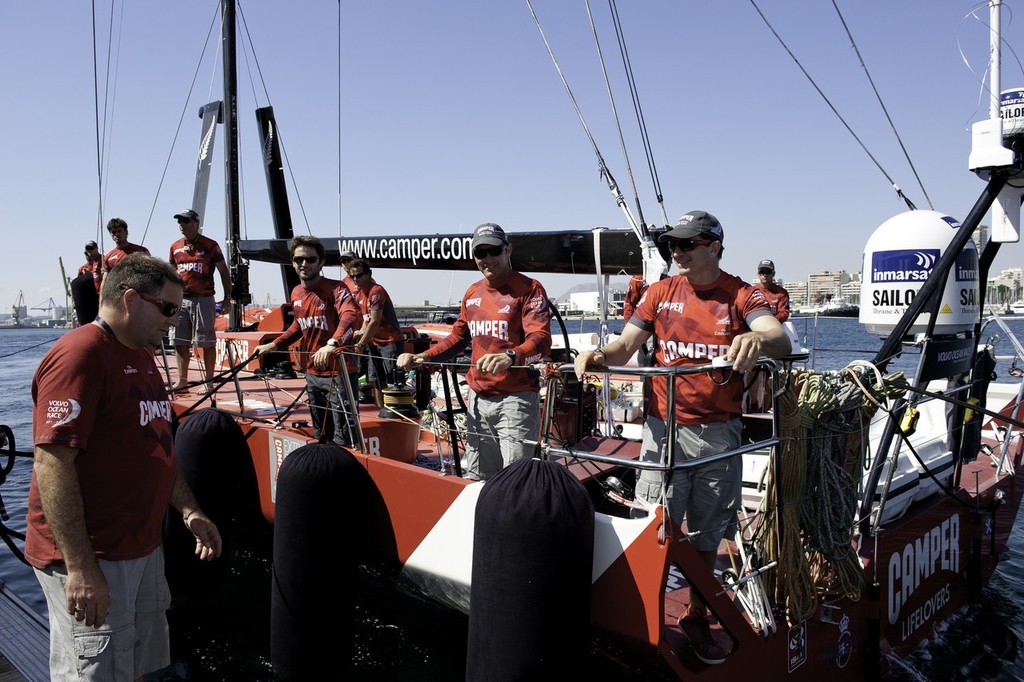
(166, 309)
(685, 244)
(299, 260)
(488, 251)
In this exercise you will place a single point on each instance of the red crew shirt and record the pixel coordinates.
(196, 262)
(323, 312)
(694, 324)
(514, 316)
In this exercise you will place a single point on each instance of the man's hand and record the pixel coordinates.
(745, 350)
(585, 360)
(409, 361)
(87, 594)
(265, 348)
(324, 357)
(208, 542)
(494, 363)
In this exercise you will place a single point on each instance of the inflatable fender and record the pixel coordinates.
(533, 554)
(214, 459)
(322, 525)
(85, 298)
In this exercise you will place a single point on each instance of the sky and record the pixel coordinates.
(452, 114)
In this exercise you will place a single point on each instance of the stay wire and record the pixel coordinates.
(638, 109)
(606, 174)
(615, 113)
(899, 192)
(177, 131)
(878, 96)
(280, 137)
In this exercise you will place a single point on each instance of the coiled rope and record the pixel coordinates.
(824, 419)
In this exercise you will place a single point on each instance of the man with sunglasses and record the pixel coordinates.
(196, 256)
(118, 229)
(697, 316)
(103, 477)
(775, 294)
(381, 335)
(93, 264)
(325, 317)
(507, 319)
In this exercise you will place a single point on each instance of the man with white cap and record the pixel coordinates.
(775, 294)
(507, 319)
(698, 315)
(196, 257)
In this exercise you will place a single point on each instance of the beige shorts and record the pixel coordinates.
(709, 495)
(134, 640)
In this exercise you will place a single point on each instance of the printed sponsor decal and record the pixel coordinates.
(903, 265)
(797, 645)
(60, 412)
(920, 574)
(280, 447)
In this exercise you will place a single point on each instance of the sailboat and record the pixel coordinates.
(913, 553)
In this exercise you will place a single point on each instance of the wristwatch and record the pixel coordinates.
(512, 355)
(333, 343)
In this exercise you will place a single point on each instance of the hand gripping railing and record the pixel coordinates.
(668, 461)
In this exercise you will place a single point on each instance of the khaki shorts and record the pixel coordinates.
(195, 323)
(134, 640)
(496, 428)
(709, 495)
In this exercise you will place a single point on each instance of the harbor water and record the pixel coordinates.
(400, 637)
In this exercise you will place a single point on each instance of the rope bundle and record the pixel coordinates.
(824, 419)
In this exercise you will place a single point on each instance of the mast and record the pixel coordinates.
(239, 272)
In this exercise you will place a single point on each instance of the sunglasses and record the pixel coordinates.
(184, 221)
(299, 260)
(356, 275)
(166, 309)
(488, 251)
(685, 245)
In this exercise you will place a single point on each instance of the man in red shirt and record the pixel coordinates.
(118, 229)
(196, 256)
(775, 294)
(346, 259)
(380, 335)
(634, 292)
(507, 320)
(698, 315)
(103, 477)
(325, 317)
(93, 264)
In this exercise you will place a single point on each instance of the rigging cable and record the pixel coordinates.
(603, 168)
(99, 144)
(835, 111)
(280, 137)
(615, 115)
(177, 131)
(878, 96)
(638, 110)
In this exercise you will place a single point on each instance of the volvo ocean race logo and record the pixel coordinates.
(904, 265)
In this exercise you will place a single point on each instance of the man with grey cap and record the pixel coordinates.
(698, 315)
(196, 257)
(507, 320)
(775, 294)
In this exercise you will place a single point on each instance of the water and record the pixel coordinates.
(399, 637)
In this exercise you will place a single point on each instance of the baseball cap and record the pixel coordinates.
(347, 255)
(187, 214)
(490, 234)
(766, 265)
(90, 245)
(693, 224)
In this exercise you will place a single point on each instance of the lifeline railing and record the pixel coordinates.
(668, 446)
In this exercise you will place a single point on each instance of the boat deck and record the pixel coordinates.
(24, 640)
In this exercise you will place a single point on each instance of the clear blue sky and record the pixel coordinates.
(452, 115)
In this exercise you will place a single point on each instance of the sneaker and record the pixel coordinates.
(698, 631)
